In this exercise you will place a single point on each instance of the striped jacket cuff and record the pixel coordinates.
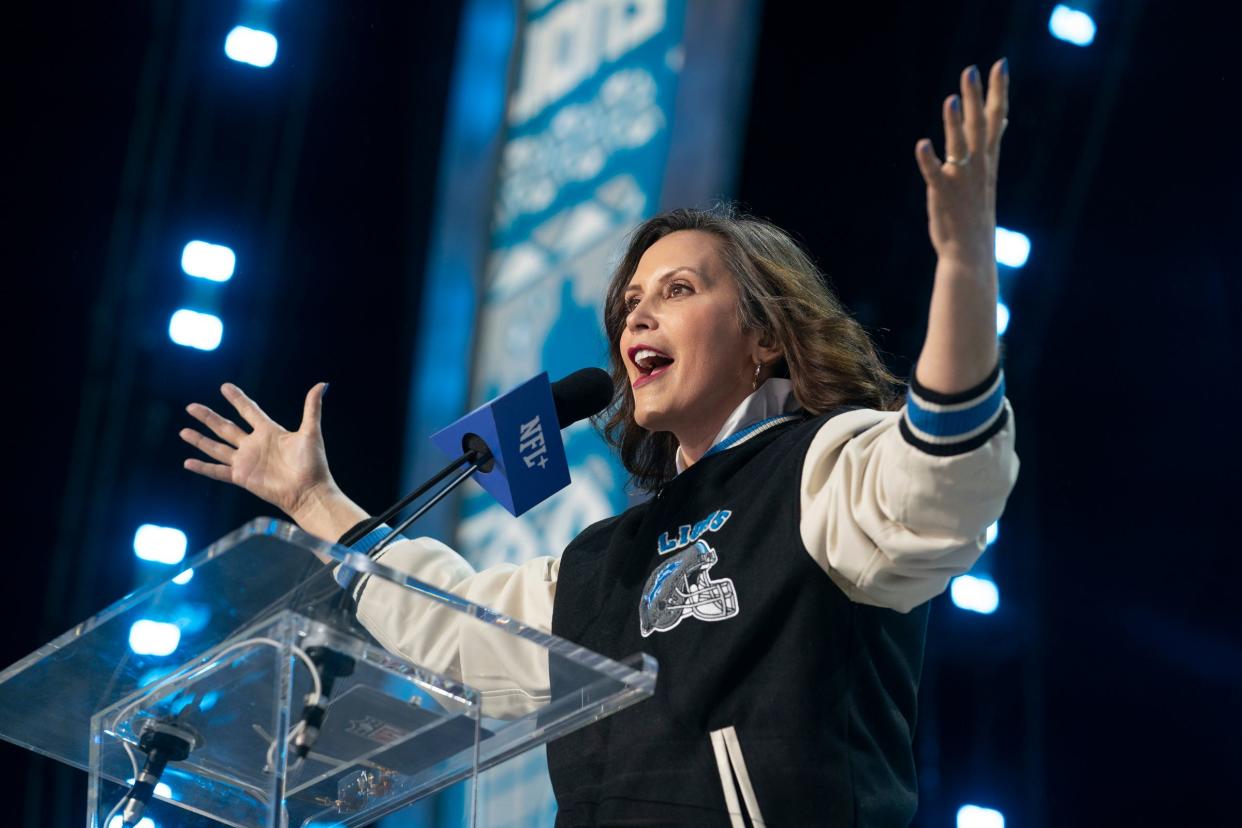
(949, 424)
(344, 575)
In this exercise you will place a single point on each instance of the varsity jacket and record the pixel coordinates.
(780, 582)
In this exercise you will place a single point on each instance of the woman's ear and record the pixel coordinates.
(766, 350)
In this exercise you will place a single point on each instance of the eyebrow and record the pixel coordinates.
(663, 277)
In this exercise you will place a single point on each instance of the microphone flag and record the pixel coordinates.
(522, 430)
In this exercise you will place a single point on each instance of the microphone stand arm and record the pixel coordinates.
(475, 464)
(361, 531)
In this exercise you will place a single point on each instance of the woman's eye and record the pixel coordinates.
(678, 288)
(630, 303)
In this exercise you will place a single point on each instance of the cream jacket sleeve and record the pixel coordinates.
(895, 504)
(511, 675)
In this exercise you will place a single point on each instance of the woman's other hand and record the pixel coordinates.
(288, 469)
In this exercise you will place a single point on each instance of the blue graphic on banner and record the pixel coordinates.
(581, 165)
(543, 185)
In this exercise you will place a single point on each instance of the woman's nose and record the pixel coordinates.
(640, 317)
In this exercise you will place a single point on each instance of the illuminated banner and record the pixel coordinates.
(585, 152)
(582, 163)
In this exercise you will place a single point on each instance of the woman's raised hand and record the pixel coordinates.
(961, 349)
(285, 468)
(961, 190)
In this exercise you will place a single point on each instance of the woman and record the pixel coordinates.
(802, 515)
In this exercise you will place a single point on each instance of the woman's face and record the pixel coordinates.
(689, 361)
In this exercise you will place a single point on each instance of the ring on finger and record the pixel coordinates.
(958, 162)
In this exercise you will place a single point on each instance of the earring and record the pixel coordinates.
(754, 383)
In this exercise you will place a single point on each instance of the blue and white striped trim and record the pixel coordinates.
(948, 424)
(752, 430)
(364, 544)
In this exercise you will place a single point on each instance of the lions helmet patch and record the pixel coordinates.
(682, 587)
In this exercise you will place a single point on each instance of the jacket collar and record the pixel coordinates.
(772, 399)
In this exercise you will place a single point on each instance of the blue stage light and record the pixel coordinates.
(974, 816)
(196, 330)
(118, 822)
(1012, 247)
(253, 46)
(204, 260)
(160, 544)
(147, 637)
(153, 675)
(184, 577)
(993, 533)
(189, 617)
(1072, 26)
(1002, 318)
(977, 594)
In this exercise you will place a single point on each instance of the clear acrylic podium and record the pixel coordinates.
(220, 656)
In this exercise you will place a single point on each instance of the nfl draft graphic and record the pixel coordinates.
(583, 151)
(581, 164)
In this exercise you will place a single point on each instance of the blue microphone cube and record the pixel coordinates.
(521, 429)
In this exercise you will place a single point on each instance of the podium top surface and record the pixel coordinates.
(257, 572)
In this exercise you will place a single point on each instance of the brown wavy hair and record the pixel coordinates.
(825, 352)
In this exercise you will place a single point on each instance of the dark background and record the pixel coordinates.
(1106, 690)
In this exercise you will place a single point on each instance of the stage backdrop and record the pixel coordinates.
(615, 109)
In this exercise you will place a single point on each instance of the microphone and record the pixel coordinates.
(514, 430)
(164, 741)
(582, 394)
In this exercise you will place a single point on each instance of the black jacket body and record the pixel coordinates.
(818, 693)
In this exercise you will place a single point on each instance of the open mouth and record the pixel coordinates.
(650, 363)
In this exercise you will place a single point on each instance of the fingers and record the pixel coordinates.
(971, 125)
(956, 145)
(312, 409)
(246, 407)
(974, 123)
(929, 164)
(213, 470)
(997, 110)
(209, 447)
(224, 428)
